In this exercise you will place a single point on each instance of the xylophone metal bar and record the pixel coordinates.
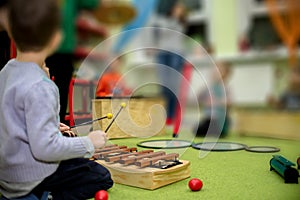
(128, 156)
(109, 148)
(103, 155)
(132, 160)
(123, 156)
(152, 161)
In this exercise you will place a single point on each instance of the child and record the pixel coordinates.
(35, 157)
(110, 83)
(216, 103)
(290, 98)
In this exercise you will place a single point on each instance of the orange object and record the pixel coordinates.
(110, 84)
(286, 22)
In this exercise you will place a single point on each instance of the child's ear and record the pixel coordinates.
(55, 41)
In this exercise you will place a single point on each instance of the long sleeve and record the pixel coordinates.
(31, 145)
(46, 142)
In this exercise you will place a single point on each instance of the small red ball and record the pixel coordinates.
(101, 195)
(195, 184)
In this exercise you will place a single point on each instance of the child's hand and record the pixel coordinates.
(66, 131)
(69, 134)
(98, 138)
(63, 127)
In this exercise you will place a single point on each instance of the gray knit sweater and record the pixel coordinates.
(31, 145)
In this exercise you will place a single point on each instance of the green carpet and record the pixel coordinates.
(225, 175)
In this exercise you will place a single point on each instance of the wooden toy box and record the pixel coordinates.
(142, 117)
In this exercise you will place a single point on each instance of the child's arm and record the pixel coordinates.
(63, 127)
(66, 130)
(42, 121)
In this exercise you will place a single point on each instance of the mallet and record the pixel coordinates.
(123, 105)
(108, 116)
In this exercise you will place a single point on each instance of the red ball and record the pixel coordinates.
(101, 195)
(195, 184)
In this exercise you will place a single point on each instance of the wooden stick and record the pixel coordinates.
(123, 105)
(108, 116)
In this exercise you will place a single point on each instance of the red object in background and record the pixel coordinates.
(84, 113)
(195, 184)
(183, 93)
(244, 44)
(13, 50)
(88, 26)
(101, 195)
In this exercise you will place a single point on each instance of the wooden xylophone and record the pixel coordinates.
(145, 169)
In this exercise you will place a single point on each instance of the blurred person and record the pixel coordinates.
(144, 9)
(171, 16)
(290, 99)
(110, 83)
(215, 101)
(61, 62)
(34, 155)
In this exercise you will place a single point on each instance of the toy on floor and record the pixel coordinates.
(284, 168)
(143, 169)
(101, 195)
(195, 184)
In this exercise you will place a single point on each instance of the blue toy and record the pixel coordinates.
(284, 168)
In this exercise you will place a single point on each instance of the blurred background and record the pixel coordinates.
(244, 34)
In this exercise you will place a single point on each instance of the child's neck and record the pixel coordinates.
(35, 57)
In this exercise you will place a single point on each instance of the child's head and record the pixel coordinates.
(179, 12)
(35, 24)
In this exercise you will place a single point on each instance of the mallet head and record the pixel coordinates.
(109, 115)
(123, 105)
